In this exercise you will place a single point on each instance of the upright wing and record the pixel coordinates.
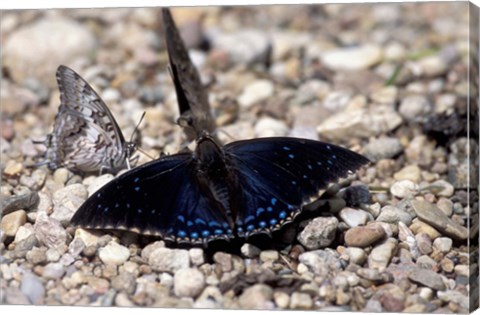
(191, 95)
(158, 198)
(277, 176)
(86, 135)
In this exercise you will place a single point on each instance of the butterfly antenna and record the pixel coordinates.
(225, 133)
(145, 153)
(137, 126)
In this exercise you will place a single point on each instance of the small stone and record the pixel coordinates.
(320, 262)
(353, 217)
(447, 265)
(269, 255)
(258, 297)
(269, 127)
(98, 183)
(413, 107)
(422, 227)
(446, 205)
(382, 148)
(363, 236)
(424, 243)
(170, 260)
(49, 231)
(53, 271)
(356, 255)
(166, 279)
(409, 172)
(66, 202)
(32, 288)
(353, 59)
(12, 168)
(124, 282)
(245, 46)
(188, 282)
(196, 256)
(37, 255)
(25, 201)
(224, 260)
(319, 233)
(61, 175)
(443, 244)
(404, 188)
(301, 301)
(361, 122)
(455, 297)
(89, 238)
(113, 253)
(23, 232)
(250, 251)
(426, 293)
(442, 188)
(462, 270)
(432, 66)
(282, 299)
(256, 92)
(426, 262)
(12, 222)
(427, 278)
(391, 214)
(380, 255)
(150, 248)
(432, 215)
(122, 300)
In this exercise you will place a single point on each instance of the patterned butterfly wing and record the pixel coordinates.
(191, 95)
(277, 176)
(161, 198)
(86, 136)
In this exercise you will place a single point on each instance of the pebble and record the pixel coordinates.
(32, 288)
(358, 123)
(409, 172)
(432, 215)
(44, 56)
(404, 188)
(447, 265)
(53, 271)
(12, 222)
(353, 217)
(250, 251)
(256, 92)
(442, 188)
(301, 301)
(12, 168)
(356, 255)
(114, 254)
(245, 46)
(14, 203)
(49, 231)
(455, 297)
(269, 255)
(89, 238)
(382, 148)
(391, 214)
(414, 107)
(61, 175)
(320, 262)
(422, 227)
(121, 299)
(363, 236)
(188, 282)
(35, 181)
(269, 127)
(427, 278)
(353, 58)
(282, 299)
(446, 205)
(125, 282)
(432, 66)
(23, 232)
(426, 262)
(66, 202)
(36, 255)
(166, 279)
(170, 260)
(224, 260)
(319, 233)
(150, 248)
(196, 256)
(381, 254)
(258, 296)
(443, 244)
(98, 183)
(424, 243)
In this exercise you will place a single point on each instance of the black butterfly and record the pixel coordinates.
(238, 190)
(195, 115)
(85, 135)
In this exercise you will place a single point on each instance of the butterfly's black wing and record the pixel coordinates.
(277, 176)
(192, 97)
(159, 198)
(86, 136)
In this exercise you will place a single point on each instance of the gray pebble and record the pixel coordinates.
(404, 188)
(353, 217)
(319, 233)
(381, 254)
(196, 256)
(382, 148)
(113, 253)
(301, 301)
(66, 202)
(250, 251)
(188, 282)
(258, 296)
(49, 231)
(391, 214)
(32, 288)
(414, 107)
(53, 271)
(427, 278)
(443, 244)
(170, 260)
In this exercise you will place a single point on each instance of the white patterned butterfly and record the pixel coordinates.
(85, 138)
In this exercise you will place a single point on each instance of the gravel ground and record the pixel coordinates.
(386, 80)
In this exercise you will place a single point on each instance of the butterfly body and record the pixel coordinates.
(239, 190)
(85, 137)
